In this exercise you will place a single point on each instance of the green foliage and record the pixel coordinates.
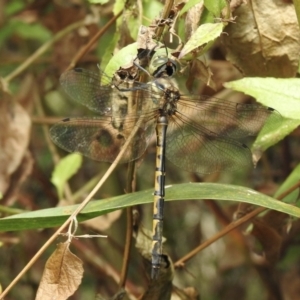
(188, 5)
(23, 30)
(215, 7)
(118, 6)
(12, 7)
(122, 58)
(188, 191)
(64, 170)
(290, 181)
(204, 34)
(33, 31)
(150, 9)
(281, 94)
(272, 133)
(129, 19)
(98, 1)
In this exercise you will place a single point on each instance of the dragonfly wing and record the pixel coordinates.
(97, 139)
(194, 148)
(225, 118)
(84, 87)
(100, 93)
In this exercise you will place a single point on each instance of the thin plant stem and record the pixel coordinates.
(165, 14)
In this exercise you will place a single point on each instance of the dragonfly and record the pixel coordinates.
(196, 133)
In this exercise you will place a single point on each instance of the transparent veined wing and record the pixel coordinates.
(98, 139)
(97, 91)
(225, 118)
(203, 133)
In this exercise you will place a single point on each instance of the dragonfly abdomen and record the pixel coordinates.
(159, 193)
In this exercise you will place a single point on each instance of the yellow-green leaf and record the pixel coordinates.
(203, 35)
(64, 170)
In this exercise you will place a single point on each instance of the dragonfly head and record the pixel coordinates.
(162, 66)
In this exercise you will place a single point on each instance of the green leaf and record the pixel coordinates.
(124, 57)
(98, 1)
(273, 132)
(64, 170)
(128, 19)
(27, 31)
(33, 31)
(203, 35)
(151, 10)
(281, 94)
(118, 6)
(53, 217)
(215, 6)
(188, 5)
(107, 55)
(133, 24)
(207, 17)
(13, 7)
(292, 179)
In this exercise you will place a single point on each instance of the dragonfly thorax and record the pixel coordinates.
(169, 95)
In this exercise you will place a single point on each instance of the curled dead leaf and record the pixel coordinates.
(14, 138)
(104, 222)
(200, 72)
(62, 275)
(265, 39)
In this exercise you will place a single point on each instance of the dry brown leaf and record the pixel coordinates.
(223, 71)
(265, 39)
(104, 222)
(189, 293)
(201, 72)
(269, 239)
(290, 283)
(192, 19)
(269, 231)
(62, 275)
(15, 127)
(118, 296)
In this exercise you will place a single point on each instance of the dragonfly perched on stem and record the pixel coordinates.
(196, 133)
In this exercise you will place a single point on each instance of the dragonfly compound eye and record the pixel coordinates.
(162, 66)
